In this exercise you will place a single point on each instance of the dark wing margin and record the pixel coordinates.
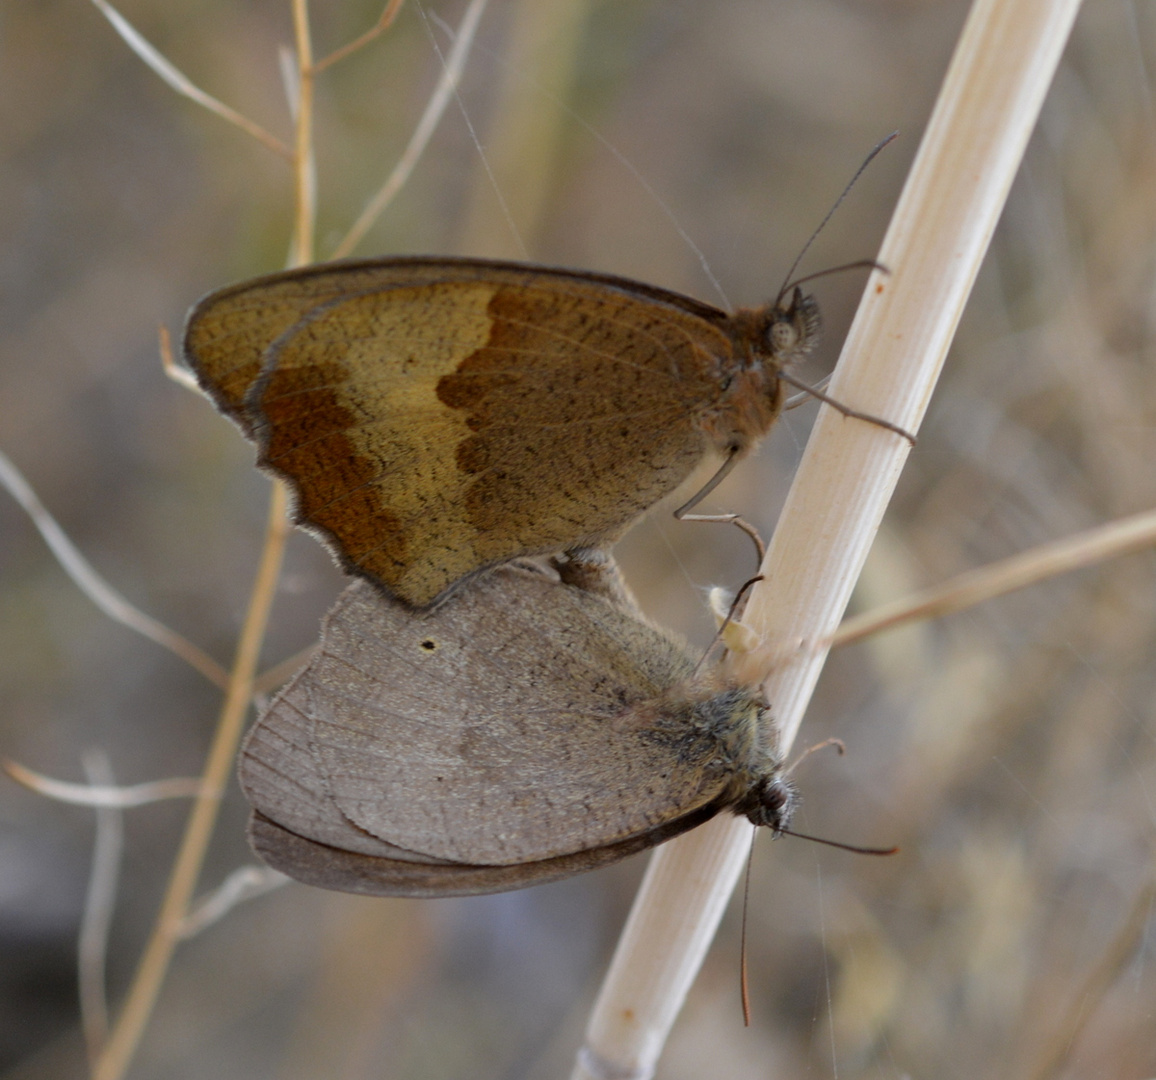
(346, 871)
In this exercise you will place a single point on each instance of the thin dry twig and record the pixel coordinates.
(106, 795)
(383, 23)
(185, 86)
(304, 165)
(1046, 561)
(99, 904)
(103, 595)
(180, 375)
(169, 926)
(431, 117)
(130, 1025)
(273, 677)
(240, 886)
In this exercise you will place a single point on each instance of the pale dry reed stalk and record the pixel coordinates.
(938, 235)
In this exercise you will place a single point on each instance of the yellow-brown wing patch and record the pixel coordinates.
(583, 409)
(349, 414)
(436, 417)
(229, 333)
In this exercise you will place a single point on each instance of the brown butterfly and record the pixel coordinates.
(435, 417)
(522, 731)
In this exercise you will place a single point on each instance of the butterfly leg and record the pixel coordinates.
(594, 570)
(735, 637)
(683, 512)
(837, 743)
(817, 393)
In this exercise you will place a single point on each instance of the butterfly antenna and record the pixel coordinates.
(835, 843)
(858, 264)
(822, 224)
(842, 748)
(744, 989)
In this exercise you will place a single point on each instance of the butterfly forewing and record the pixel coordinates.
(437, 416)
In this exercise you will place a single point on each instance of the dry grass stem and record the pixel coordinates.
(180, 375)
(183, 85)
(146, 984)
(290, 79)
(103, 595)
(171, 920)
(269, 680)
(174, 921)
(239, 887)
(104, 795)
(304, 165)
(383, 23)
(99, 905)
(436, 106)
(1046, 561)
(937, 238)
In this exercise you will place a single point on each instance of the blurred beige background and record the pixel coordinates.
(1009, 750)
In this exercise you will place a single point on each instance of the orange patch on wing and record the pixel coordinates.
(437, 416)
(305, 432)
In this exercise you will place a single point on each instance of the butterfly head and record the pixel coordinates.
(769, 800)
(792, 327)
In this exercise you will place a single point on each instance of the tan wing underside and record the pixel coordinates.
(435, 429)
(229, 331)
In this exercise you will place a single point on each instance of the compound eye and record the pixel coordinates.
(784, 336)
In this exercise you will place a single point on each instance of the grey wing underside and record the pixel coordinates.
(481, 743)
(348, 871)
(316, 844)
